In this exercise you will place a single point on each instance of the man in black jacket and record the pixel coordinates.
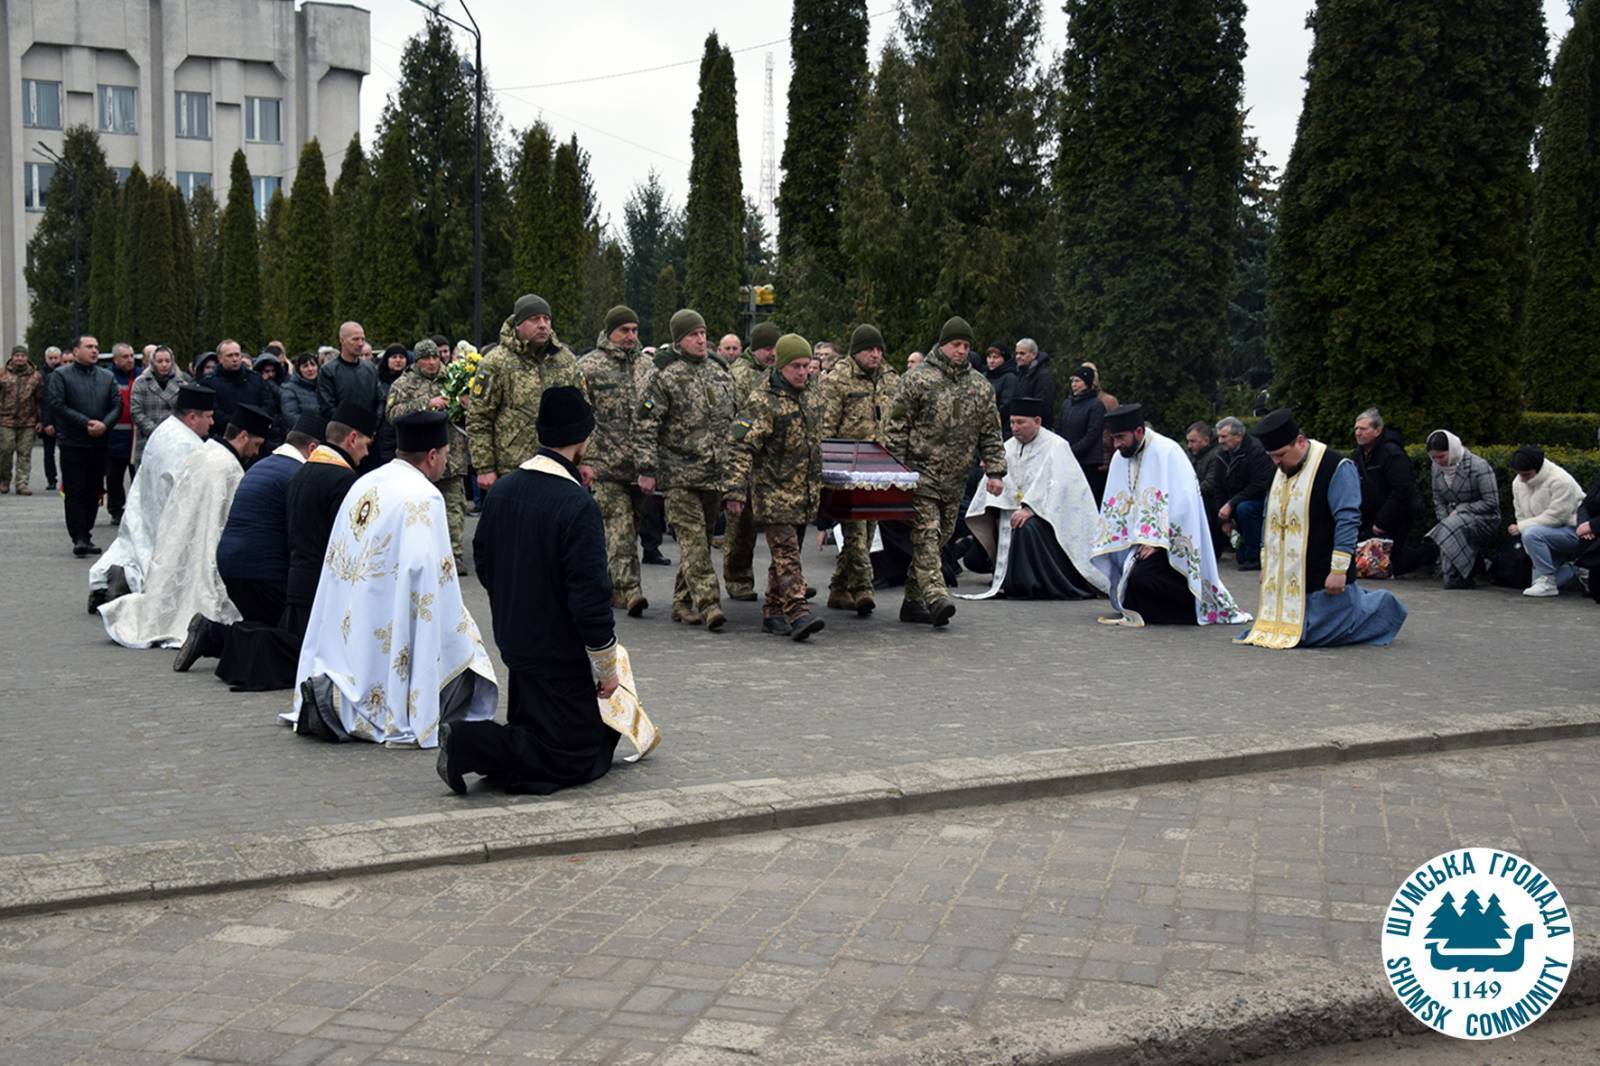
(540, 551)
(348, 378)
(236, 383)
(1389, 498)
(1034, 378)
(1247, 479)
(84, 404)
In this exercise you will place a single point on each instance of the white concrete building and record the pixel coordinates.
(176, 86)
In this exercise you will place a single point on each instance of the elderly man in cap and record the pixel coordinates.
(421, 388)
(1309, 598)
(1153, 542)
(122, 568)
(943, 415)
(391, 651)
(182, 579)
(540, 552)
(510, 380)
(750, 371)
(681, 447)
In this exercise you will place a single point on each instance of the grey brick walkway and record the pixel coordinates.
(806, 945)
(106, 746)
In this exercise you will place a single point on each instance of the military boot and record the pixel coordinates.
(940, 612)
(840, 600)
(865, 604)
(915, 612)
(687, 615)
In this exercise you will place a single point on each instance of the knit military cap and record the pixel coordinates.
(791, 346)
(686, 322)
(764, 335)
(528, 306)
(425, 349)
(620, 315)
(955, 329)
(865, 337)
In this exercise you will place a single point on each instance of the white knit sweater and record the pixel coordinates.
(1549, 498)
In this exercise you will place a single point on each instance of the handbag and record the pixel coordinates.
(1375, 558)
(1510, 568)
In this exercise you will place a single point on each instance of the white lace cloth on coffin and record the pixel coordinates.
(168, 448)
(388, 627)
(182, 578)
(1045, 476)
(870, 479)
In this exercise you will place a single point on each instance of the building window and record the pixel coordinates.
(36, 184)
(41, 104)
(261, 119)
(121, 174)
(265, 187)
(194, 116)
(190, 180)
(117, 106)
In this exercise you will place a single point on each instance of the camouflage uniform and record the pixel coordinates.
(778, 454)
(20, 395)
(411, 392)
(943, 414)
(855, 403)
(505, 399)
(739, 542)
(682, 433)
(615, 381)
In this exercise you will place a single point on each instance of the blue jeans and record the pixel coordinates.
(1248, 519)
(1550, 549)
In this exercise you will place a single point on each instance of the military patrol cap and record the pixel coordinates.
(253, 420)
(421, 431)
(195, 398)
(528, 306)
(620, 315)
(565, 417)
(865, 337)
(1127, 417)
(1028, 407)
(764, 335)
(685, 322)
(955, 329)
(1277, 430)
(312, 425)
(357, 418)
(791, 346)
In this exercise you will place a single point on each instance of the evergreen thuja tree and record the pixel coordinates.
(274, 268)
(308, 275)
(351, 210)
(567, 240)
(103, 283)
(157, 306)
(60, 268)
(651, 226)
(530, 193)
(132, 208)
(664, 304)
(714, 222)
(185, 275)
(395, 292)
(205, 223)
(1247, 306)
(241, 293)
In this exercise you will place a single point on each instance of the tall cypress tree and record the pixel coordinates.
(102, 319)
(274, 269)
(351, 208)
(205, 223)
(828, 47)
(131, 209)
(185, 275)
(1398, 265)
(242, 294)
(1147, 186)
(715, 219)
(653, 229)
(396, 289)
(1247, 306)
(663, 304)
(530, 186)
(613, 280)
(308, 285)
(157, 311)
(1561, 322)
(60, 269)
(567, 240)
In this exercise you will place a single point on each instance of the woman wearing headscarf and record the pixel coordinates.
(1466, 502)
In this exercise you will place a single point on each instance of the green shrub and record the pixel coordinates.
(1569, 429)
(1581, 464)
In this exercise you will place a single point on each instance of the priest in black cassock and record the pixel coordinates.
(262, 657)
(540, 551)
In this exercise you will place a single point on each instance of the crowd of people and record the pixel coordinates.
(305, 528)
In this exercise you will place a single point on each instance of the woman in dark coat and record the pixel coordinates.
(1081, 423)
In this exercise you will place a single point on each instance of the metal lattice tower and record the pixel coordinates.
(769, 162)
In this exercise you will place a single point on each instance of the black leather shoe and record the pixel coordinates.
(916, 613)
(80, 548)
(89, 548)
(116, 583)
(656, 559)
(776, 626)
(804, 626)
(1453, 582)
(447, 773)
(940, 612)
(194, 643)
(96, 598)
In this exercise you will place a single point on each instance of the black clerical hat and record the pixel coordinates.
(357, 418)
(312, 425)
(421, 431)
(1127, 417)
(1277, 430)
(195, 398)
(1028, 407)
(565, 417)
(253, 420)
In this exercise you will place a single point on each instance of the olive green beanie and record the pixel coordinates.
(528, 306)
(791, 346)
(955, 329)
(865, 337)
(764, 335)
(620, 315)
(686, 322)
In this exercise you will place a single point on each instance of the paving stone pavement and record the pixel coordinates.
(806, 945)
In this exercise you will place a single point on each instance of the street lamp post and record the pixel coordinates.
(477, 162)
(77, 208)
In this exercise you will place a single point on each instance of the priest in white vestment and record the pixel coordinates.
(182, 579)
(168, 448)
(1153, 540)
(391, 650)
(1038, 531)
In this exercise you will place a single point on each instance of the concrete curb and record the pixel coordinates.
(478, 832)
(1237, 1025)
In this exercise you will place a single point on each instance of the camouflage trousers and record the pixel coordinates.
(786, 584)
(853, 572)
(932, 527)
(622, 511)
(738, 553)
(18, 442)
(692, 514)
(455, 512)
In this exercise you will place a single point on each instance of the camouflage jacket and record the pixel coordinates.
(409, 394)
(20, 395)
(943, 416)
(855, 403)
(505, 399)
(683, 423)
(747, 374)
(775, 445)
(614, 382)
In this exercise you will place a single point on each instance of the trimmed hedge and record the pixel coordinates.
(1559, 429)
(1583, 464)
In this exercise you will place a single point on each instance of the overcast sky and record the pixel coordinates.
(641, 120)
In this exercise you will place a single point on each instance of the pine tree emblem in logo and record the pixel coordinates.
(1477, 943)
